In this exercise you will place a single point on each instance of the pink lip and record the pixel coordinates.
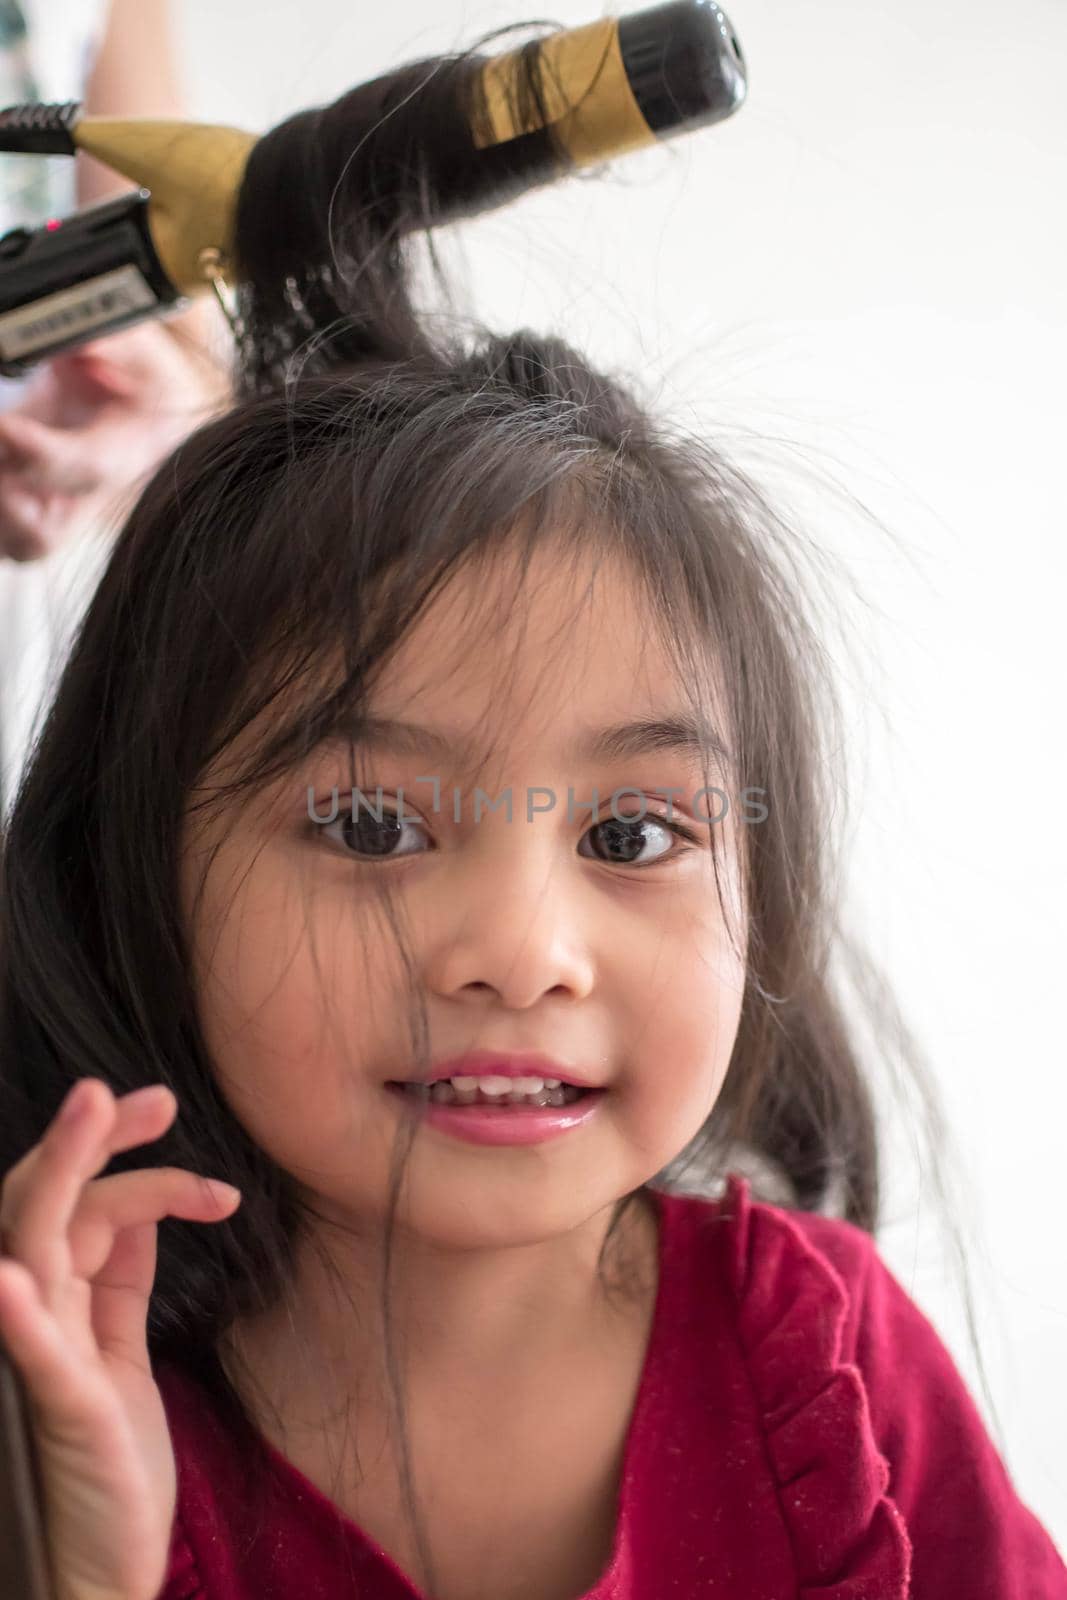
(508, 1125)
(477, 1063)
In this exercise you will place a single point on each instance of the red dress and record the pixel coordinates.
(800, 1433)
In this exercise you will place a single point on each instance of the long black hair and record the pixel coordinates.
(295, 540)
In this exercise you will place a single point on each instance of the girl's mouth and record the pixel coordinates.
(501, 1119)
(445, 1093)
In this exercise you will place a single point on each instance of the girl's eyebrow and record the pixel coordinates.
(678, 733)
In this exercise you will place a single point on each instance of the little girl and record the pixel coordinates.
(428, 839)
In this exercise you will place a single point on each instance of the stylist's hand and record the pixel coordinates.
(96, 420)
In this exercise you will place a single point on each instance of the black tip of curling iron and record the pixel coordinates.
(42, 130)
(683, 63)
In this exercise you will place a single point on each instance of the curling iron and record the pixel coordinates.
(615, 85)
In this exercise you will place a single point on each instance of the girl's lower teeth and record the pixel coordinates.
(444, 1094)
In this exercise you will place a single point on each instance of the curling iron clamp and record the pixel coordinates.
(615, 85)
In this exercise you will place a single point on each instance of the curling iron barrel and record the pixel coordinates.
(507, 123)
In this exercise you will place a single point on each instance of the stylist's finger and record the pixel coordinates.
(47, 460)
(24, 522)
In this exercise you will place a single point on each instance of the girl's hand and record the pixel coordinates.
(74, 1289)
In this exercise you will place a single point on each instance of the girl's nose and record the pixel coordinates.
(514, 930)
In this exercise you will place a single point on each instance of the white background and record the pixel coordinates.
(866, 269)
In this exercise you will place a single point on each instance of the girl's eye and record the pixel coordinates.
(618, 841)
(363, 834)
(622, 841)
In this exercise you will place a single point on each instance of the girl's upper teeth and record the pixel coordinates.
(494, 1084)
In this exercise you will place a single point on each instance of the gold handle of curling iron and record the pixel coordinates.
(194, 172)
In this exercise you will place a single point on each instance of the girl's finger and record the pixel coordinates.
(54, 1371)
(132, 1199)
(123, 1283)
(142, 1115)
(39, 1205)
(121, 1289)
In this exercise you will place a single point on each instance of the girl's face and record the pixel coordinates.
(524, 935)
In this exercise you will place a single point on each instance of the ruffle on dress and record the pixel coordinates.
(849, 1537)
(183, 1575)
